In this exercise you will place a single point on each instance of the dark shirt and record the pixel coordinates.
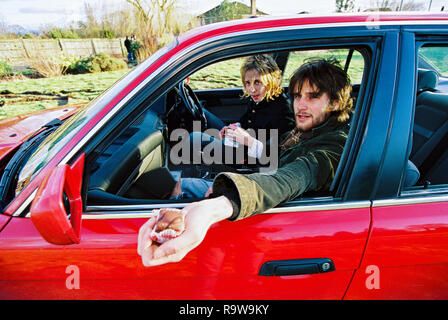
(272, 114)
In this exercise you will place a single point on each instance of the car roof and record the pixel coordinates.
(334, 20)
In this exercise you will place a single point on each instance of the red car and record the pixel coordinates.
(71, 206)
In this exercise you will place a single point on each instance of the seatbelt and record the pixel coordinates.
(431, 160)
(425, 152)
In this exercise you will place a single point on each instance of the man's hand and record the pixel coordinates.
(199, 216)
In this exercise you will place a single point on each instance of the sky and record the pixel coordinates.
(39, 13)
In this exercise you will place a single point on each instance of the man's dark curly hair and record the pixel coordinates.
(328, 77)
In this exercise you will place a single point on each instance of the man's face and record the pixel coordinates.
(310, 108)
(253, 85)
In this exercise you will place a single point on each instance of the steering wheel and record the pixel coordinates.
(192, 103)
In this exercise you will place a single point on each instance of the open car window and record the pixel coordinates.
(350, 59)
(223, 74)
(124, 170)
(226, 74)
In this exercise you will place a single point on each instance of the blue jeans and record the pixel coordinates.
(194, 187)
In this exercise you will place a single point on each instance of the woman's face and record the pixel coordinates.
(253, 85)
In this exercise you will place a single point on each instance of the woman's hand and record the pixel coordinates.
(199, 216)
(222, 132)
(239, 135)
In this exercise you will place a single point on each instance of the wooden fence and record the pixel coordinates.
(18, 51)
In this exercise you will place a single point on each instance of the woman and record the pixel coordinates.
(268, 109)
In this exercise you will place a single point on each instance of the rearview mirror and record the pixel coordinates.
(57, 208)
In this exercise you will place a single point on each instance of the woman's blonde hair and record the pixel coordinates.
(270, 74)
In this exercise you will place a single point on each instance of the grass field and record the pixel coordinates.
(27, 95)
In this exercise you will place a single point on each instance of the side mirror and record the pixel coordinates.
(57, 208)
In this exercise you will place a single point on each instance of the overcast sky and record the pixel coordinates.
(36, 13)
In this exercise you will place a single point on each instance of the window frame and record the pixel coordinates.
(424, 193)
(369, 42)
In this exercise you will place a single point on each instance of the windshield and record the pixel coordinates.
(55, 142)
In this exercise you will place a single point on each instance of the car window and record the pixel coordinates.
(355, 67)
(437, 56)
(428, 164)
(224, 74)
(57, 140)
(122, 171)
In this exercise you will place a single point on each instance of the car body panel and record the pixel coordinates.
(223, 267)
(408, 245)
(14, 131)
(4, 219)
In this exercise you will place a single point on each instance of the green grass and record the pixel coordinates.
(355, 70)
(48, 93)
(438, 56)
(64, 84)
(223, 74)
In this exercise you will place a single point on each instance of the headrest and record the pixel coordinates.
(427, 79)
(411, 174)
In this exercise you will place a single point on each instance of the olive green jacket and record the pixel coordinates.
(308, 165)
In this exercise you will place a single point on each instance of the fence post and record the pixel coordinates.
(61, 46)
(26, 49)
(123, 50)
(94, 47)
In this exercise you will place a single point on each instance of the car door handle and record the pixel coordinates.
(296, 267)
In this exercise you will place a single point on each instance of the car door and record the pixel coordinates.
(306, 249)
(227, 104)
(313, 251)
(406, 253)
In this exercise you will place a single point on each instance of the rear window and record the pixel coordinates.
(438, 57)
(355, 62)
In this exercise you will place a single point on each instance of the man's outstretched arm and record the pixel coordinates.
(199, 216)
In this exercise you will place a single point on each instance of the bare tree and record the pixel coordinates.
(345, 5)
(2, 25)
(397, 5)
(384, 5)
(156, 22)
(157, 13)
(412, 5)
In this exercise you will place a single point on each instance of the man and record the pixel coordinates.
(127, 44)
(309, 156)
